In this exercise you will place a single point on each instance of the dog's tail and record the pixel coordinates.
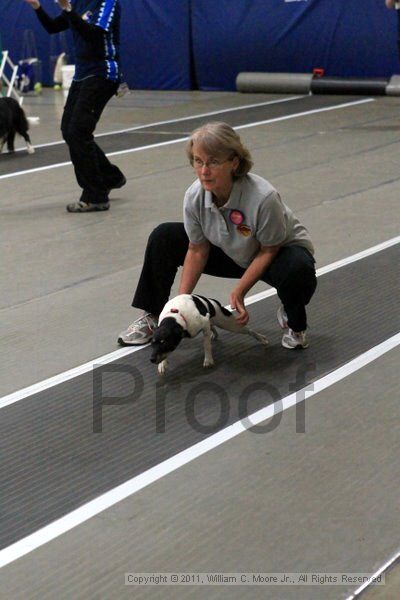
(258, 336)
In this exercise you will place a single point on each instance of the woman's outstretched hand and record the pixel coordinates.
(237, 303)
(64, 4)
(34, 3)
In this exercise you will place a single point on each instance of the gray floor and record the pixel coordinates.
(322, 501)
(81, 466)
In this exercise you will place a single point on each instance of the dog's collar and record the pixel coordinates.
(175, 311)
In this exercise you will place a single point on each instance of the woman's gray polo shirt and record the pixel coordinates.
(254, 216)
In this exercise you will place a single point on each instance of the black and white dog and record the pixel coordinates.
(13, 121)
(185, 316)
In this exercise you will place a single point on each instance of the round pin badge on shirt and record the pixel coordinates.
(236, 217)
(244, 230)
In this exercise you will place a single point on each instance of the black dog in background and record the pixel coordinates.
(13, 121)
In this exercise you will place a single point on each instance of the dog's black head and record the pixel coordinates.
(166, 338)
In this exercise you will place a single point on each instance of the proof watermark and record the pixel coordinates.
(308, 579)
(222, 404)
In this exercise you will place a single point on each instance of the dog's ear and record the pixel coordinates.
(169, 327)
(178, 330)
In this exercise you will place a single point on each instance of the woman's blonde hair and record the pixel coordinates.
(219, 139)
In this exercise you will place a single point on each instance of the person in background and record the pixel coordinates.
(235, 226)
(95, 28)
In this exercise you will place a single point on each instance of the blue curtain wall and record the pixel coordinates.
(204, 44)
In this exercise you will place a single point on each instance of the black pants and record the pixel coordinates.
(85, 103)
(292, 273)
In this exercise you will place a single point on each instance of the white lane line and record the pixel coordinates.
(248, 125)
(309, 112)
(183, 139)
(328, 268)
(37, 170)
(207, 114)
(123, 491)
(391, 562)
(66, 375)
(107, 358)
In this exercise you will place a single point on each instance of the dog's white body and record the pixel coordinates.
(185, 312)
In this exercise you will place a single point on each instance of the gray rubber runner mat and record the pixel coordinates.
(52, 462)
(154, 134)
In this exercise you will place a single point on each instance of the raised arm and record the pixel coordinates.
(51, 25)
(92, 32)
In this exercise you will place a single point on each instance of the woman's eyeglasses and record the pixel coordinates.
(211, 164)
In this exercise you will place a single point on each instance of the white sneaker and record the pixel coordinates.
(282, 317)
(139, 332)
(294, 340)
